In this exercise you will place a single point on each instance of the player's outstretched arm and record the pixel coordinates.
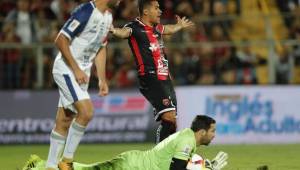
(120, 32)
(182, 23)
(100, 62)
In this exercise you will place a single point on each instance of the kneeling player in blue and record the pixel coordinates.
(173, 153)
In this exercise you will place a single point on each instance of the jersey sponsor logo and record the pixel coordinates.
(95, 22)
(93, 29)
(73, 25)
(154, 46)
(166, 102)
(187, 150)
(86, 59)
(162, 66)
(155, 35)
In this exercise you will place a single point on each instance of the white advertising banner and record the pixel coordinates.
(28, 117)
(244, 114)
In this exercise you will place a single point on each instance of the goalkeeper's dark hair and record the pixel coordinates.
(142, 5)
(202, 122)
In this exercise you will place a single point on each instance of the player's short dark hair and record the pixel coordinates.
(142, 5)
(202, 122)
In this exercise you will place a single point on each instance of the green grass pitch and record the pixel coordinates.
(241, 157)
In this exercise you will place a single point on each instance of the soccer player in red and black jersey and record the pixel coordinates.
(144, 36)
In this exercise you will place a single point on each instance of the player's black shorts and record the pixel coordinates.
(160, 93)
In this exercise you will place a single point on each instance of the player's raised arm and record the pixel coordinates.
(182, 23)
(100, 61)
(62, 42)
(124, 32)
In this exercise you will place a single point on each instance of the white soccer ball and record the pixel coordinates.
(196, 163)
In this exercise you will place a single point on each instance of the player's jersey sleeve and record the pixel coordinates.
(184, 148)
(78, 20)
(130, 27)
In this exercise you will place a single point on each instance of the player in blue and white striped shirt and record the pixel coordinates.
(82, 43)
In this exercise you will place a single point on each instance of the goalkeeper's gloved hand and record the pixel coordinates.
(219, 162)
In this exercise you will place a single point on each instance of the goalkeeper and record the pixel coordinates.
(173, 153)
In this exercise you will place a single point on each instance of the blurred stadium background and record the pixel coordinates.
(239, 64)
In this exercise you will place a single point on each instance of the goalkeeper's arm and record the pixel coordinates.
(178, 164)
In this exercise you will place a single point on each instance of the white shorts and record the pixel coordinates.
(70, 91)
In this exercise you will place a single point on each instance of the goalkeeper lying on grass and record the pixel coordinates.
(177, 152)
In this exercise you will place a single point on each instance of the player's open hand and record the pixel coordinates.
(218, 163)
(103, 88)
(184, 22)
(81, 77)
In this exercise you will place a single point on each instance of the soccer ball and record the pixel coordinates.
(196, 163)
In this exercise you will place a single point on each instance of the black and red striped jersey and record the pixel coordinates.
(147, 46)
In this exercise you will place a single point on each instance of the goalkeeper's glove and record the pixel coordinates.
(219, 162)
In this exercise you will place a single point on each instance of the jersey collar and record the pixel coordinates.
(95, 7)
(93, 4)
(143, 24)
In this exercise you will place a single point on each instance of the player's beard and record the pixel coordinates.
(206, 142)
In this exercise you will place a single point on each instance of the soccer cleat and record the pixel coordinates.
(62, 165)
(32, 162)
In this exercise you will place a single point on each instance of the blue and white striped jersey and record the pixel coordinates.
(87, 30)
